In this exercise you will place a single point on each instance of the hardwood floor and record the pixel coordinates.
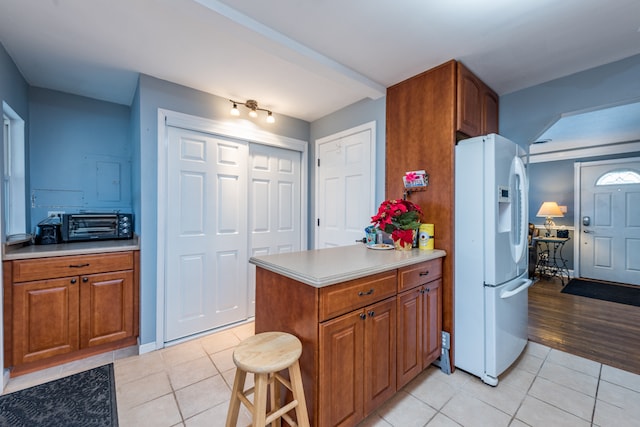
(603, 331)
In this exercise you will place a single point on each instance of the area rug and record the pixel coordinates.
(84, 399)
(623, 294)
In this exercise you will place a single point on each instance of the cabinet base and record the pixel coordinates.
(28, 368)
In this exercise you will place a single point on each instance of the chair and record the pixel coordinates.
(265, 355)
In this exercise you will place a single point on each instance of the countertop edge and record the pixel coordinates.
(421, 256)
(10, 253)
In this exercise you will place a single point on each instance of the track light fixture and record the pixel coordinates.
(252, 105)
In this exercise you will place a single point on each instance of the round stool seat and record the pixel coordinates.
(267, 352)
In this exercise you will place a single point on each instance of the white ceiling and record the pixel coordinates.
(307, 58)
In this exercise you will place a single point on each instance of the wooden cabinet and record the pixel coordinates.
(62, 308)
(477, 105)
(45, 319)
(419, 319)
(357, 363)
(422, 126)
(350, 335)
(106, 308)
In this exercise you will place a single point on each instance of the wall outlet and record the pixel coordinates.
(55, 214)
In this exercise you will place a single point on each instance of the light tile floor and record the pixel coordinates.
(189, 385)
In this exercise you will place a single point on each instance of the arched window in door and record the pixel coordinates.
(625, 176)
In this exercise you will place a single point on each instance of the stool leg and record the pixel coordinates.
(234, 403)
(298, 394)
(260, 400)
(274, 388)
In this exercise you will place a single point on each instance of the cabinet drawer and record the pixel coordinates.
(418, 274)
(49, 268)
(345, 297)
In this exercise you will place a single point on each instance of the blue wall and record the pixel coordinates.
(153, 94)
(80, 154)
(525, 114)
(14, 91)
(351, 116)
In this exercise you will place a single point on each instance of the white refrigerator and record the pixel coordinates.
(491, 247)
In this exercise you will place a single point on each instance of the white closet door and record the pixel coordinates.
(206, 253)
(274, 205)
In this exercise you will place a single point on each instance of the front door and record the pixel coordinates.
(609, 220)
(206, 253)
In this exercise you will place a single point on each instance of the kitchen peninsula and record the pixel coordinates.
(369, 321)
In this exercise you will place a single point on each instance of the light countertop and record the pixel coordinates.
(15, 252)
(323, 267)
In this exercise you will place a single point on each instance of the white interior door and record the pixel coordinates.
(275, 217)
(206, 245)
(345, 186)
(610, 221)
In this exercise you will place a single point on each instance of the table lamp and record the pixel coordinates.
(549, 210)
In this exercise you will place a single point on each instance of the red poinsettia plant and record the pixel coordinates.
(399, 218)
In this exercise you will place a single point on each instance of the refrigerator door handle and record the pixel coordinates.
(521, 246)
(508, 294)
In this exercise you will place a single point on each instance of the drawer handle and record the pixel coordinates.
(372, 313)
(426, 273)
(363, 316)
(369, 292)
(79, 265)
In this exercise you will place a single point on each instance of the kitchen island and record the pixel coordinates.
(369, 321)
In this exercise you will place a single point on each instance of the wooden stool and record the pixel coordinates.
(265, 355)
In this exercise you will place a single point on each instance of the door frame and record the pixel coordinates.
(371, 127)
(228, 129)
(577, 200)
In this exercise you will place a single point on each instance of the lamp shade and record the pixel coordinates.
(550, 210)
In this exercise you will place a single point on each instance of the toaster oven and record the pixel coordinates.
(96, 226)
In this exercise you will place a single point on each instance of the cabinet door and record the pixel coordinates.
(490, 123)
(432, 325)
(409, 350)
(106, 302)
(341, 370)
(45, 319)
(379, 354)
(469, 115)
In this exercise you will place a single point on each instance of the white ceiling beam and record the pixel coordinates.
(297, 53)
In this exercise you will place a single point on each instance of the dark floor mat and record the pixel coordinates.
(623, 294)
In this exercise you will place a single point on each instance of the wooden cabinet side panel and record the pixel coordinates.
(7, 306)
(45, 319)
(432, 315)
(290, 306)
(421, 135)
(106, 306)
(340, 401)
(379, 354)
(136, 293)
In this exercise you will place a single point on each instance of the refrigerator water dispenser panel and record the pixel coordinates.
(504, 209)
